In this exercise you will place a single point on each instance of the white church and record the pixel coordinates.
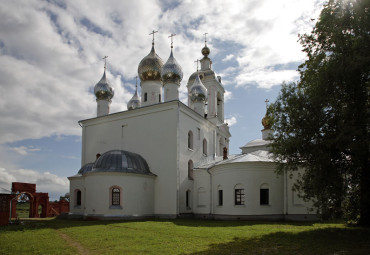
(162, 158)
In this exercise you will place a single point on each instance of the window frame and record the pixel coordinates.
(239, 196)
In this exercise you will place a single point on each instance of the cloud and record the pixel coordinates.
(23, 150)
(228, 57)
(231, 121)
(51, 52)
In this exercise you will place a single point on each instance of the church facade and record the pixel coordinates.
(162, 158)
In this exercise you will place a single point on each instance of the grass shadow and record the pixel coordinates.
(319, 241)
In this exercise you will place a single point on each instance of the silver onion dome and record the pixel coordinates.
(198, 91)
(103, 90)
(150, 67)
(171, 71)
(134, 102)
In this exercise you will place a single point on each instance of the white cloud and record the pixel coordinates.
(23, 150)
(228, 57)
(231, 121)
(228, 95)
(50, 56)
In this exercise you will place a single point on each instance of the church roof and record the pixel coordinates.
(121, 161)
(256, 142)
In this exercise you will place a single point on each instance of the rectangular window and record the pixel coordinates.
(239, 196)
(264, 196)
(220, 197)
(198, 133)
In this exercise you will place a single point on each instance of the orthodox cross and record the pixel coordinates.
(152, 33)
(205, 38)
(267, 103)
(136, 81)
(172, 35)
(197, 63)
(105, 62)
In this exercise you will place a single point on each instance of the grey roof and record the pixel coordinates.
(256, 142)
(121, 161)
(255, 156)
(86, 168)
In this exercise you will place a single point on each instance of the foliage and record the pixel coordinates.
(182, 237)
(322, 122)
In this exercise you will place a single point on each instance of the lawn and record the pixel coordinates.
(52, 236)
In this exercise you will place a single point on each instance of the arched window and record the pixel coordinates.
(190, 170)
(115, 197)
(78, 197)
(264, 194)
(145, 97)
(239, 194)
(190, 140)
(205, 146)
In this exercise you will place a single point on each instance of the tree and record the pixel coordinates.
(321, 122)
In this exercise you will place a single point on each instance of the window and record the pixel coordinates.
(188, 198)
(190, 140)
(159, 97)
(205, 146)
(264, 194)
(239, 194)
(78, 197)
(198, 133)
(116, 193)
(220, 197)
(190, 170)
(145, 97)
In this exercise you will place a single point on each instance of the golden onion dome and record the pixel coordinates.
(171, 71)
(103, 90)
(267, 122)
(150, 67)
(198, 91)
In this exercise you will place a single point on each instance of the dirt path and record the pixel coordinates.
(81, 250)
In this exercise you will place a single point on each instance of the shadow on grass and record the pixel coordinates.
(319, 241)
(55, 223)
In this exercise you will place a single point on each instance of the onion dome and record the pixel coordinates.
(150, 67)
(121, 161)
(267, 122)
(198, 91)
(171, 71)
(205, 51)
(134, 101)
(103, 90)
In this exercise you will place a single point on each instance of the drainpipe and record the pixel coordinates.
(211, 194)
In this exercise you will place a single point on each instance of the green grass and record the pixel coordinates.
(184, 237)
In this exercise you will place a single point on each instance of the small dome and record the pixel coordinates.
(121, 161)
(150, 67)
(134, 101)
(206, 51)
(203, 75)
(266, 122)
(103, 90)
(171, 71)
(86, 168)
(198, 91)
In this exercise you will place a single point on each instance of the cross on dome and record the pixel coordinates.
(205, 38)
(197, 64)
(267, 103)
(105, 62)
(172, 35)
(152, 33)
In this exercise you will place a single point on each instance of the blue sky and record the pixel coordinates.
(51, 57)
